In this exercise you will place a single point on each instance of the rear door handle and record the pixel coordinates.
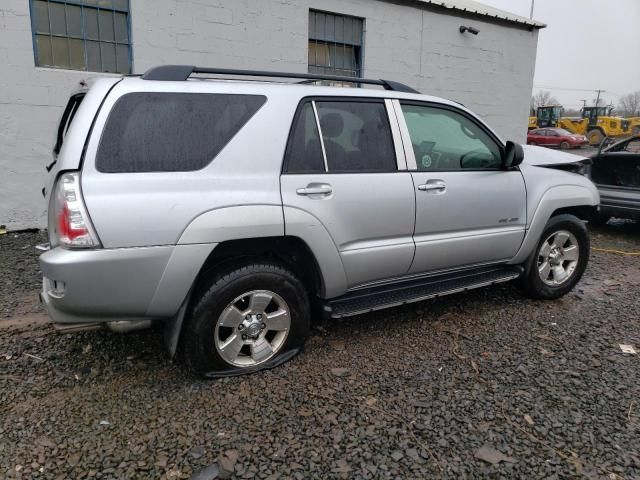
(433, 185)
(315, 189)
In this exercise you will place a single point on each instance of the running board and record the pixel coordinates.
(409, 291)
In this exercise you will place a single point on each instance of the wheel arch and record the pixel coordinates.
(291, 252)
(577, 200)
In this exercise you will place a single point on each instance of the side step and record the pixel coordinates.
(408, 291)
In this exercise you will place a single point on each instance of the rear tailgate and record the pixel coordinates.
(73, 128)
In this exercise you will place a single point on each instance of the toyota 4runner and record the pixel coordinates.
(227, 211)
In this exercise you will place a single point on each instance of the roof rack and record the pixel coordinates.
(183, 72)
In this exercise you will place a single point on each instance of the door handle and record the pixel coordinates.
(321, 189)
(433, 185)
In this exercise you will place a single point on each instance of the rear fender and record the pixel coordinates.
(309, 229)
(233, 223)
(206, 231)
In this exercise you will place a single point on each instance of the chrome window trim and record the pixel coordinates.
(410, 157)
(398, 144)
(324, 152)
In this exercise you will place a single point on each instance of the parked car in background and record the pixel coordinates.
(556, 137)
(616, 173)
(225, 210)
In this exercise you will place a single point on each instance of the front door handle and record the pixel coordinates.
(433, 185)
(315, 189)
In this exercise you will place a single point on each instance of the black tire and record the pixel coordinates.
(198, 335)
(595, 137)
(599, 218)
(564, 146)
(531, 283)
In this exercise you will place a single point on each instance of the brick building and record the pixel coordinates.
(48, 46)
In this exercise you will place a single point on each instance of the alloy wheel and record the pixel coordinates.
(252, 328)
(557, 258)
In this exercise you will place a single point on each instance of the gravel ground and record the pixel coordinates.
(20, 279)
(477, 385)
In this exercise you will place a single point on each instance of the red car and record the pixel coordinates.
(556, 137)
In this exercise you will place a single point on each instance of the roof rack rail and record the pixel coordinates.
(183, 72)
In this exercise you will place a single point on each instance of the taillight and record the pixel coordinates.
(73, 227)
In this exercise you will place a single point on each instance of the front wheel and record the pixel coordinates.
(565, 146)
(595, 137)
(559, 260)
(255, 316)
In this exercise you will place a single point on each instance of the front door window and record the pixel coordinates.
(444, 140)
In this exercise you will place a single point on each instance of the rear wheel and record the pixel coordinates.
(255, 316)
(559, 260)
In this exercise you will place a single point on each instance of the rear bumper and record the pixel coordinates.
(82, 286)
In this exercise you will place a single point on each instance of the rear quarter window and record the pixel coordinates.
(65, 121)
(171, 132)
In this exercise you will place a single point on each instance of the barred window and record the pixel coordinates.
(335, 44)
(91, 35)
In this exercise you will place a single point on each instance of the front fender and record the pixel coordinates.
(554, 198)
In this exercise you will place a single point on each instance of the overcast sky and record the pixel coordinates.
(587, 44)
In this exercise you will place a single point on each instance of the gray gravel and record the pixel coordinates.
(20, 278)
(484, 384)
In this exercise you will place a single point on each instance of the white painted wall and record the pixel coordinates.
(491, 73)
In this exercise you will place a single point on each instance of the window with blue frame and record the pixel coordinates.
(92, 35)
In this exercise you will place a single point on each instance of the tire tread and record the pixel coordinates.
(219, 281)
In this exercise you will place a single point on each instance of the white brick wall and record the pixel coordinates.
(491, 73)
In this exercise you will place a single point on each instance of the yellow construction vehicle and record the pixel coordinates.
(546, 116)
(595, 123)
(634, 125)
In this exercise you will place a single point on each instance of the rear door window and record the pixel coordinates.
(171, 132)
(304, 151)
(356, 136)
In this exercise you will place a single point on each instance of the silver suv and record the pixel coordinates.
(228, 211)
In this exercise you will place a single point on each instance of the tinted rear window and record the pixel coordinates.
(304, 152)
(171, 132)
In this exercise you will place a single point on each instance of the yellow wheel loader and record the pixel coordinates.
(600, 123)
(546, 116)
(634, 125)
(595, 123)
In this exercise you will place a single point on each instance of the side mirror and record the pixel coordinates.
(513, 155)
